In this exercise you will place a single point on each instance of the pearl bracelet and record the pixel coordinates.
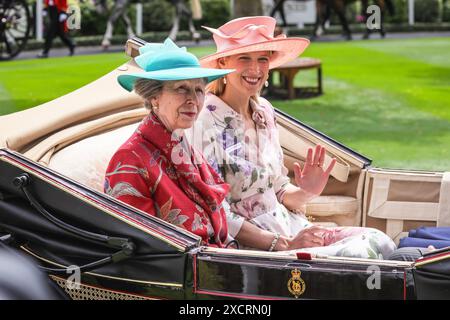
(274, 241)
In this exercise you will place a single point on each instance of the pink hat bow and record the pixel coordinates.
(249, 34)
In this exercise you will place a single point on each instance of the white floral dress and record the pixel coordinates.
(253, 166)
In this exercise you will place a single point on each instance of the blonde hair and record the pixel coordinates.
(217, 87)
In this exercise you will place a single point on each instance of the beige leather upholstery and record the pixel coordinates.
(97, 99)
(325, 206)
(44, 150)
(443, 219)
(397, 201)
(86, 160)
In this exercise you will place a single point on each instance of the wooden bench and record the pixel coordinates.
(287, 73)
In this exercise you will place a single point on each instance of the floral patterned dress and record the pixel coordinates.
(253, 166)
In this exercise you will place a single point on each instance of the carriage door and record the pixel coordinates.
(396, 201)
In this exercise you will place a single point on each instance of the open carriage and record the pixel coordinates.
(52, 207)
(15, 27)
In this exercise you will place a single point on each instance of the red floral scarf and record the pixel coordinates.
(195, 177)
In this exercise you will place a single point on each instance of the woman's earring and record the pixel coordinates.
(266, 84)
(224, 80)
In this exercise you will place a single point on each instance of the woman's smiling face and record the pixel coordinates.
(252, 70)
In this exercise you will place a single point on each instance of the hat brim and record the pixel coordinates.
(127, 80)
(286, 49)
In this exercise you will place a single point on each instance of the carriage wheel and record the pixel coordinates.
(15, 25)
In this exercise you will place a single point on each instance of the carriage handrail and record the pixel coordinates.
(125, 246)
(132, 46)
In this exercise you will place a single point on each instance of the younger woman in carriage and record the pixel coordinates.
(240, 140)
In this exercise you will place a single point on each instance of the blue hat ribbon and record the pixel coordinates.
(152, 50)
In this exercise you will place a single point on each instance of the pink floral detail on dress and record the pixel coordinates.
(259, 118)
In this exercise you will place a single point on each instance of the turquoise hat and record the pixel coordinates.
(166, 61)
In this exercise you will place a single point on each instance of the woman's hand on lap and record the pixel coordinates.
(308, 238)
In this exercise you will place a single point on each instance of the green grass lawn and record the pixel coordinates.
(387, 99)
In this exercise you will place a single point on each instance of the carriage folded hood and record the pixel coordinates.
(20, 130)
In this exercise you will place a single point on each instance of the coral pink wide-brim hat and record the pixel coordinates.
(250, 34)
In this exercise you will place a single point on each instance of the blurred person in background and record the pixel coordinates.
(56, 10)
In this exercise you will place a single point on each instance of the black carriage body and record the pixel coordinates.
(169, 263)
(264, 278)
(156, 269)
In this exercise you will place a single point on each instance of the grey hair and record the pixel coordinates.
(147, 89)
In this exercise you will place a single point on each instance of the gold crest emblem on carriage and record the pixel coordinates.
(296, 285)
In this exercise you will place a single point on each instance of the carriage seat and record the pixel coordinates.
(325, 206)
(333, 210)
(86, 161)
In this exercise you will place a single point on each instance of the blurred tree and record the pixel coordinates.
(215, 14)
(426, 11)
(244, 8)
(445, 11)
